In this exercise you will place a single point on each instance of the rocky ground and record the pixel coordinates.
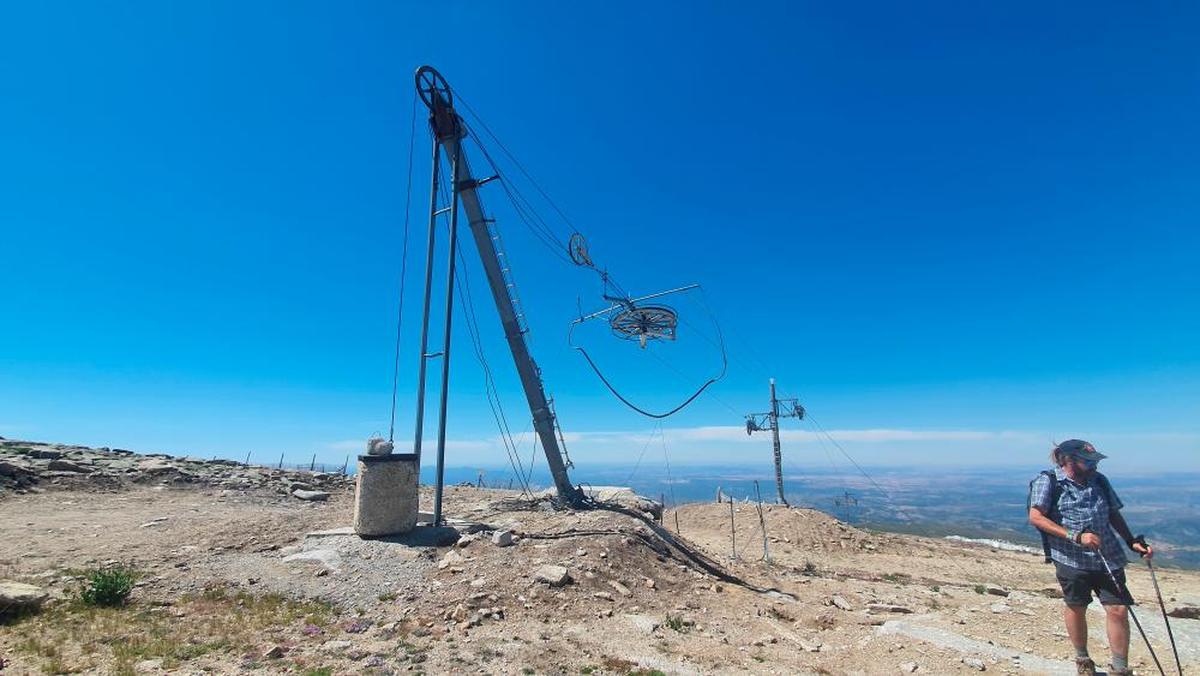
(238, 574)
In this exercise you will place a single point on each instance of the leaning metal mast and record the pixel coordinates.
(448, 131)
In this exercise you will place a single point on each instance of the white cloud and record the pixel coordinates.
(731, 444)
(737, 434)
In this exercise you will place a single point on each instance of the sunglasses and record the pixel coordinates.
(1088, 464)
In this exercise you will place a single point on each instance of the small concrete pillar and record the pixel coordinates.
(385, 495)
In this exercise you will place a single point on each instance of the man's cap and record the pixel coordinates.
(1080, 449)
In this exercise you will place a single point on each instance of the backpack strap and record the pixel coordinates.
(1103, 481)
(1055, 492)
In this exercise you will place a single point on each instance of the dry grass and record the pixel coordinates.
(73, 637)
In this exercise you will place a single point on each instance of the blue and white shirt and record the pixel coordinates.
(1081, 506)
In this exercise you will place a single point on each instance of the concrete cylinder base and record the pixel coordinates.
(385, 495)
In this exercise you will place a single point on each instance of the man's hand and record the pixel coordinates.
(1143, 549)
(1089, 540)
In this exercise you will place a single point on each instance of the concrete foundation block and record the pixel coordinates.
(385, 496)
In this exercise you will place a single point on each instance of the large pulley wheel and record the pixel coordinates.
(644, 323)
(431, 86)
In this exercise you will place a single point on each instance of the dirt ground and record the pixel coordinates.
(235, 581)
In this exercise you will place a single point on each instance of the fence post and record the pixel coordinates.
(762, 522)
(732, 530)
(313, 465)
(281, 460)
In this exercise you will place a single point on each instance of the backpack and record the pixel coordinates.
(1055, 493)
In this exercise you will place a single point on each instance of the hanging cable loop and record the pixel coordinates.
(625, 400)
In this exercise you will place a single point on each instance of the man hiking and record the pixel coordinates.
(1079, 516)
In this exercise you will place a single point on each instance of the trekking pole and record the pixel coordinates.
(1125, 592)
(1163, 607)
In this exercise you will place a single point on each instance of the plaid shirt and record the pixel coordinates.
(1080, 506)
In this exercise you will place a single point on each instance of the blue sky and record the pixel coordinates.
(956, 231)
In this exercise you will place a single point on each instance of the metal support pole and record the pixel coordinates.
(449, 132)
(441, 442)
(778, 453)
(732, 531)
(762, 522)
(433, 194)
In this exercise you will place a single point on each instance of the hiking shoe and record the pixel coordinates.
(1113, 671)
(1085, 665)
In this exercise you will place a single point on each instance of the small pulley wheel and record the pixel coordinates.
(431, 86)
(578, 248)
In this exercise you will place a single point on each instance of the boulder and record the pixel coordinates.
(555, 576)
(19, 597)
(68, 466)
(13, 469)
(841, 603)
(311, 496)
(502, 538)
(43, 454)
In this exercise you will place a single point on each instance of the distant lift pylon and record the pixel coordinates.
(760, 422)
(448, 132)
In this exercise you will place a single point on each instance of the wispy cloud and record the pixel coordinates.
(737, 434)
(708, 444)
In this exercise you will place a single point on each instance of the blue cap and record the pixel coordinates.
(1080, 449)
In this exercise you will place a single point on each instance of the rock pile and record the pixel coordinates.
(31, 466)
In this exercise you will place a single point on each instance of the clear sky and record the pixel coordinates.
(955, 230)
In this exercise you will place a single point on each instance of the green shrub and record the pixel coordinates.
(980, 589)
(108, 587)
(676, 623)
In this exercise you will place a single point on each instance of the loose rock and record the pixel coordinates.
(555, 576)
(974, 663)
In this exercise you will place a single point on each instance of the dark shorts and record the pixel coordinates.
(1078, 586)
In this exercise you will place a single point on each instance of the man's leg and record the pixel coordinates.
(1077, 594)
(1117, 624)
(1114, 598)
(1076, 619)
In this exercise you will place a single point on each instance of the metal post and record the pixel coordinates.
(449, 131)
(433, 194)
(778, 453)
(762, 522)
(732, 530)
(441, 443)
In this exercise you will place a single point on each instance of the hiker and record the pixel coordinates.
(1079, 516)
